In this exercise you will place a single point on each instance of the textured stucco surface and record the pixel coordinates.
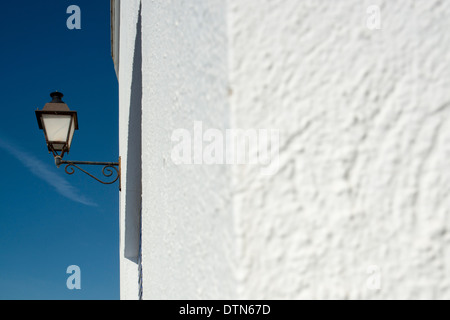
(129, 13)
(363, 176)
(188, 241)
(364, 147)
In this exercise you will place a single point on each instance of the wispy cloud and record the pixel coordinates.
(44, 172)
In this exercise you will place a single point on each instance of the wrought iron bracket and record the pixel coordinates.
(110, 169)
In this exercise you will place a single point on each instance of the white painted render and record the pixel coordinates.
(129, 209)
(359, 208)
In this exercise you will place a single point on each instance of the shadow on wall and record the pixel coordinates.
(134, 162)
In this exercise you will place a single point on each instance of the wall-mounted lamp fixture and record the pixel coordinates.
(59, 125)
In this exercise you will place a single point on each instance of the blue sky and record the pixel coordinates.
(48, 219)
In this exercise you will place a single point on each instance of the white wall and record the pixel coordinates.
(362, 177)
(131, 163)
(188, 241)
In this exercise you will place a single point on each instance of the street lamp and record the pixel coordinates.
(59, 124)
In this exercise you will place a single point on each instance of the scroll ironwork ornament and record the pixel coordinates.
(110, 169)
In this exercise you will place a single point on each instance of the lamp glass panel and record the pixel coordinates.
(56, 127)
(72, 130)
